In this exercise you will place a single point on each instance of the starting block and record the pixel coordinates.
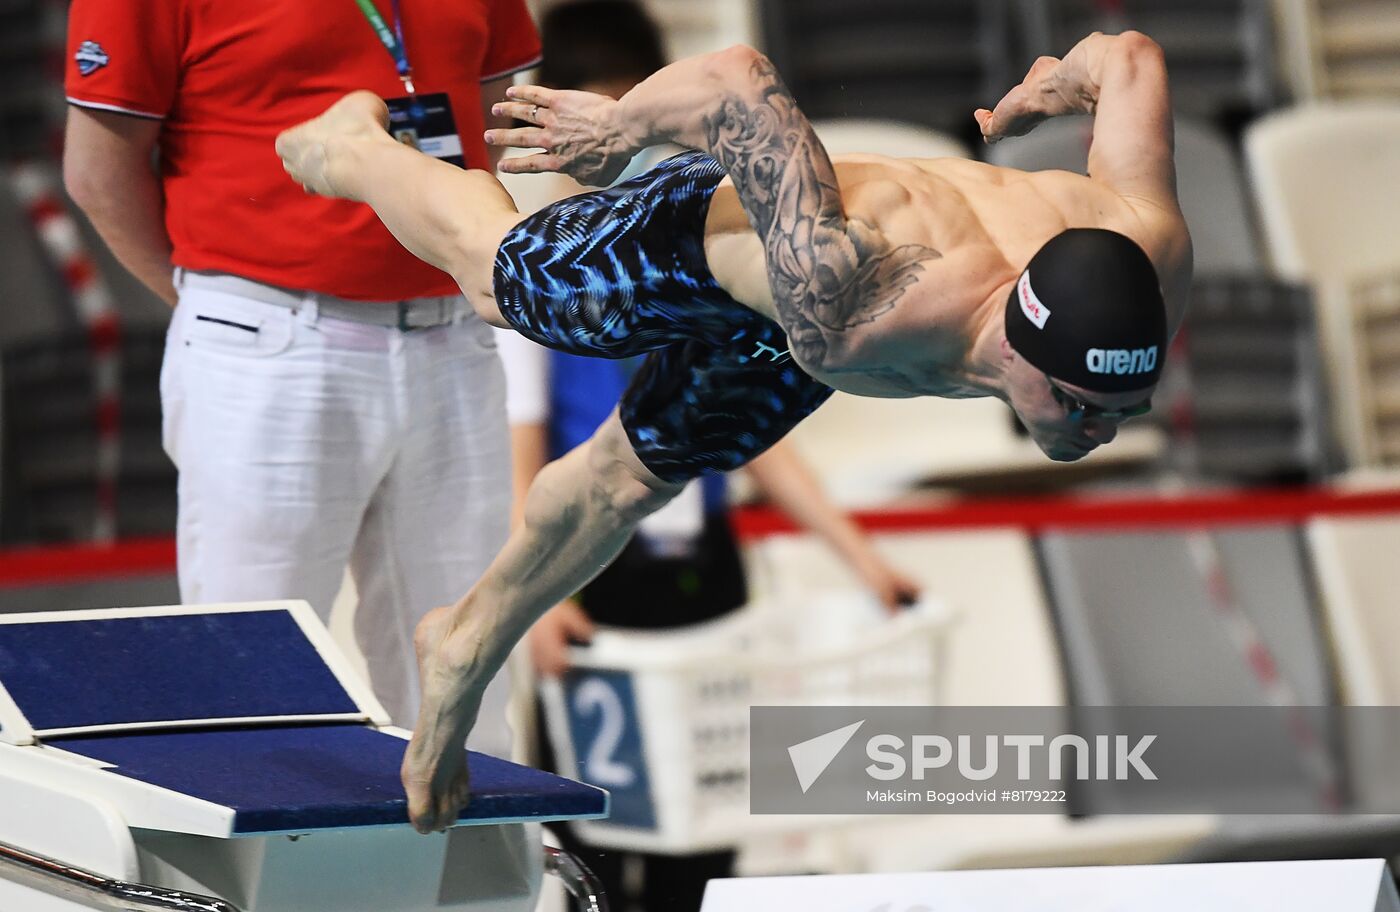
(230, 751)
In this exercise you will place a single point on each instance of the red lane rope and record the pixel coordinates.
(1045, 513)
(143, 557)
(86, 563)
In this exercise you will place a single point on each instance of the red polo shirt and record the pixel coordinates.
(226, 76)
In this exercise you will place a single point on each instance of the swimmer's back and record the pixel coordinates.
(985, 221)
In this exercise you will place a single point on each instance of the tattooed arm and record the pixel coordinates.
(830, 275)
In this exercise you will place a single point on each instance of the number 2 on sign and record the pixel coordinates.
(600, 767)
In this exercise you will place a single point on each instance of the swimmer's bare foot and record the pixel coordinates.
(434, 771)
(309, 150)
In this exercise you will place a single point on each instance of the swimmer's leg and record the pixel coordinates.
(579, 513)
(450, 218)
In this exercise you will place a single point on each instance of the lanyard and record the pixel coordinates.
(391, 39)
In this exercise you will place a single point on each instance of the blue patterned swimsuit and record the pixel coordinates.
(621, 272)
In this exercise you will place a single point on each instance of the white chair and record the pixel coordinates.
(1325, 183)
(1340, 48)
(1357, 577)
(853, 135)
(694, 28)
(1375, 304)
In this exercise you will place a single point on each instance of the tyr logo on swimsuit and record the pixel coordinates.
(772, 353)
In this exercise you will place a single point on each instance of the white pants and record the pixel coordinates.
(305, 443)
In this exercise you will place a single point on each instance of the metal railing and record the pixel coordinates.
(81, 885)
(581, 883)
(94, 889)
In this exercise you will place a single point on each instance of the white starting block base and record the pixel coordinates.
(1362, 885)
(472, 869)
(469, 869)
(227, 751)
(494, 868)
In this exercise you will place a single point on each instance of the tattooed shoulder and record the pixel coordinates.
(828, 273)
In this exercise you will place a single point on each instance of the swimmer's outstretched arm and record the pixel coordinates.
(1122, 81)
(579, 512)
(832, 277)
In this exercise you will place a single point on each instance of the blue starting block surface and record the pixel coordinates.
(103, 669)
(227, 720)
(305, 778)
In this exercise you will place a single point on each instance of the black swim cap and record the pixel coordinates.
(1088, 311)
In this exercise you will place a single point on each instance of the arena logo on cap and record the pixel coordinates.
(1031, 306)
(1121, 360)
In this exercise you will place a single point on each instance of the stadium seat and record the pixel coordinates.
(1324, 183)
(1376, 311)
(1341, 48)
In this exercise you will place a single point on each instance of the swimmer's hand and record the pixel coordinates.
(434, 771)
(581, 133)
(309, 150)
(1044, 93)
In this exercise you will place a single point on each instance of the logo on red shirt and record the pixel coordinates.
(90, 57)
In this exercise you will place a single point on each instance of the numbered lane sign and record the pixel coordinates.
(606, 739)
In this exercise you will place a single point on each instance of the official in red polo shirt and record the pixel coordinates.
(329, 398)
